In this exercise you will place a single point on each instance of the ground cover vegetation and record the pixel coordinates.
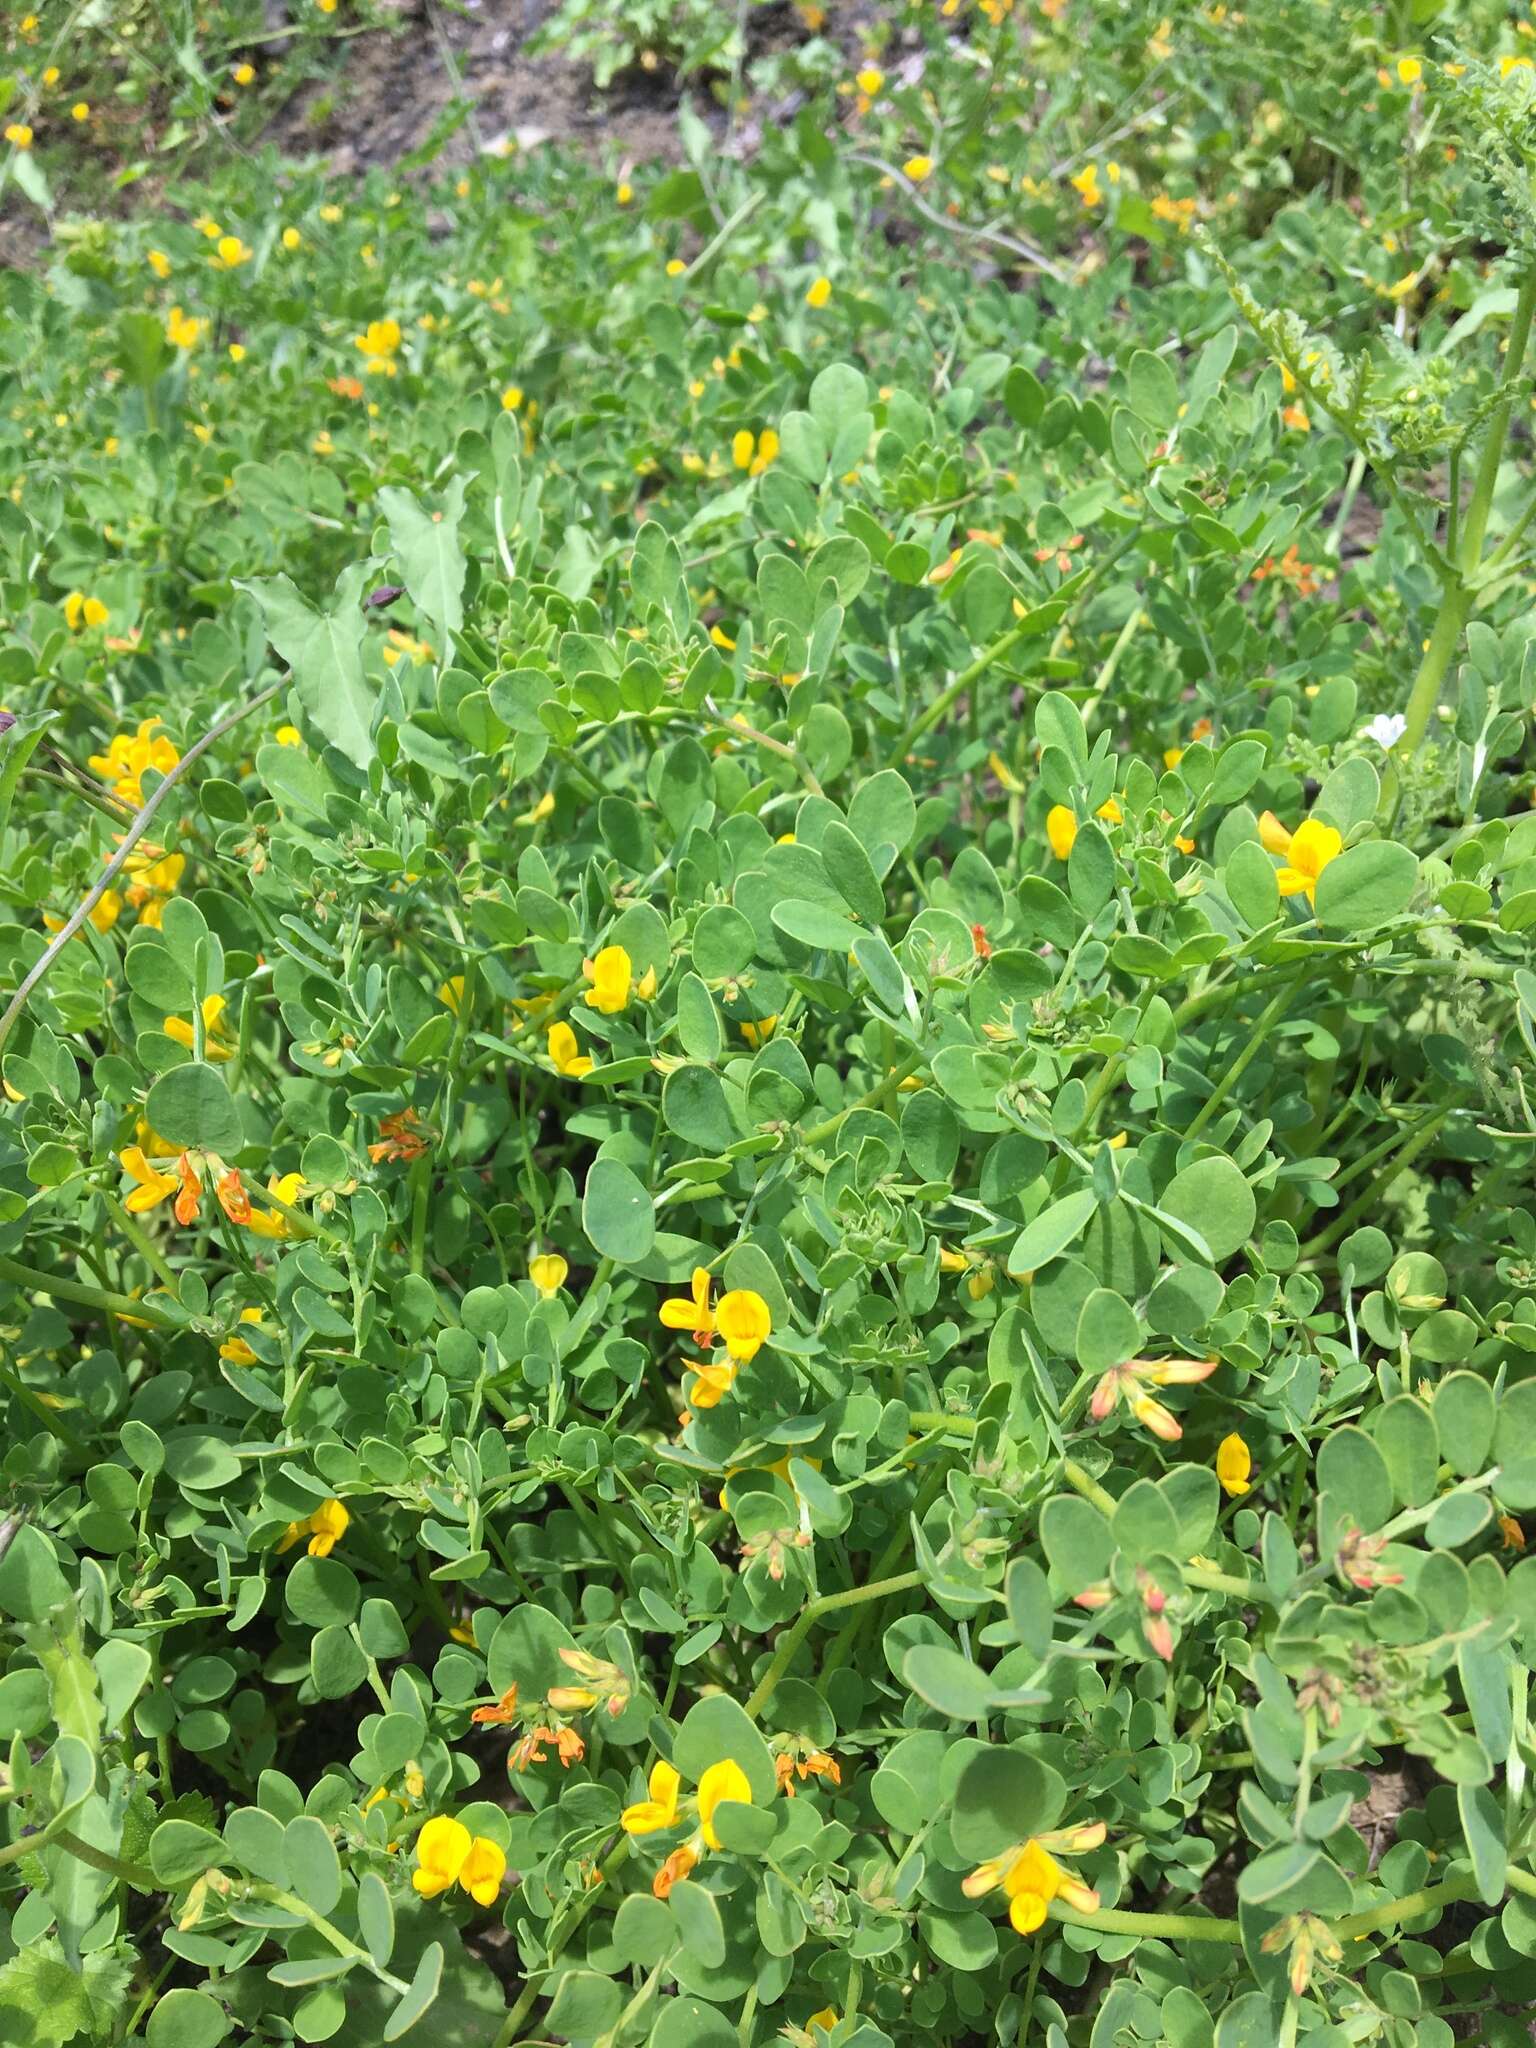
(766, 1013)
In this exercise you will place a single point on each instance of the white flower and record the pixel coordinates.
(1386, 729)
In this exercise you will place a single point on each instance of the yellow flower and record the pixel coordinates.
(767, 449)
(1086, 185)
(1234, 1464)
(743, 1320)
(692, 1312)
(19, 135)
(158, 262)
(107, 911)
(649, 1816)
(869, 80)
(1506, 66)
(547, 1272)
(128, 755)
(442, 1849)
(292, 239)
(235, 1349)
(215, 1045)
(625, 192)
(1060, 830)
(611, 975)
(1031, 1877)
(232, 252)
(330, 213)
(742, 445)
(512, 398)
(181, 329)
(151, 1186)
(722, 1781)
(676, 267)
(80, 610)
(244, 74)
(80, 111)
(328, 1524)
(759, 1033)
(917, 168)
(447, 1854)
(1304, 852)
(1409, 70)
(237, 351)
(819, 293)
(288, 736)
(562, 1051)
(452, 992)
(826, 2019)
(378, 343)
(272, 1222)
(1172, 756)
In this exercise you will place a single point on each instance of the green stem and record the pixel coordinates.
(99, 1859)
(1475, 524)
(810, 1614)
(89, 1297)
(1168, 1926)
(338, 1941)
(1239, 1066)
(1429, 1900)
(927, 720)
(1455, 609)
(1365, 1203)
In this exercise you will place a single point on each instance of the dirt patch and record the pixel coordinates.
(472, 74)
(1396, 1789)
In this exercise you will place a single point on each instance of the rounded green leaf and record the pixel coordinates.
(1213, 1199)
(616, 1213)
(191, 1107)
(1366, 885)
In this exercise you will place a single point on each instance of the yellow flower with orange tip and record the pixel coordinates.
(648, 1816)
(1303, 853)
(1031, 1877)
(1234, 1465)
(215, 1045)
(692, 1312)
(1129, 1383)
(235, 1348)
(563, 1054)
(151, 1187)
(612, 977)
(324, 1528)
(447, 1854)
(547, 1272)
(272, 1223)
